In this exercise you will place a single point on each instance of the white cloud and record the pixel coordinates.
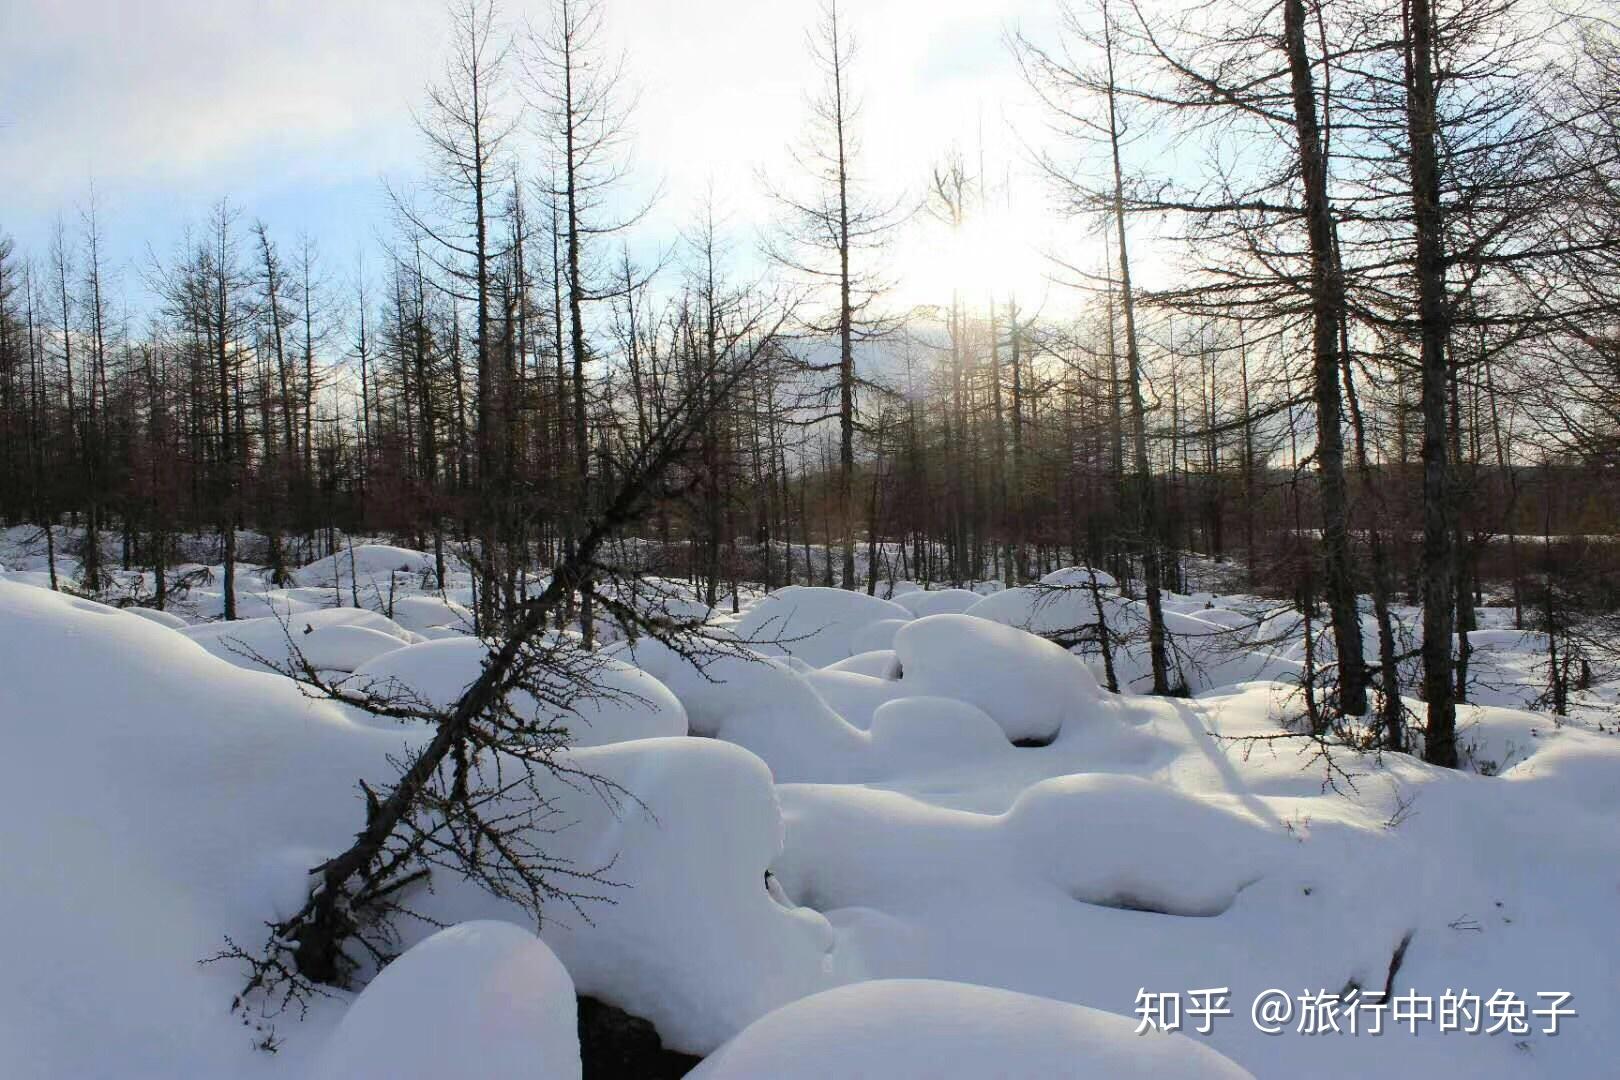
(276, 101)
(170, 92)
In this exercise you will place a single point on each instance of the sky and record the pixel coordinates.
(299, 110)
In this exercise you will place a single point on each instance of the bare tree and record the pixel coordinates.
(466, 125)
(1059, 78)
(826, 231)
(582, 99)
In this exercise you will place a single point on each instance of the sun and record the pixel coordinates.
(996, 254)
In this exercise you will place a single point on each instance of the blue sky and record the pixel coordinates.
(297, 109)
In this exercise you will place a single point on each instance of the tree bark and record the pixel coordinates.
(1327, 315)
(1434, 324)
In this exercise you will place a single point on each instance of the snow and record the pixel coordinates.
(856, 696)
(919, 1029)
(162, 618)
(879, 664)
(338, 639)
(345, 646)
(905, 842)
(761, 703)
(424, 612)
(938, 602)
(1053, 871)
(1027, 684)
(371, 567)
(817, 625)
(694, 942)
(1575, 770)
(928, 732)
(477, 999)
(875, 636)
(1079, 577)
(1203, 854)
(623, 703)
(663, 600)
(174, 785)
(1062, 612)
(1063, 603)
(195, 795)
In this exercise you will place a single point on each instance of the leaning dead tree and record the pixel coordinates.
(477, 798)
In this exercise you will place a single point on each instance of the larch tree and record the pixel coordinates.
(467, 124)
(582, 100)
(1069, 91)
(831, 225)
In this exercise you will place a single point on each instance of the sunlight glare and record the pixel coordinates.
(993, 254)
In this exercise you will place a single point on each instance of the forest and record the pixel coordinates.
(1294, 442)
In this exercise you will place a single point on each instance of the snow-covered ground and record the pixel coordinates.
(908, 838)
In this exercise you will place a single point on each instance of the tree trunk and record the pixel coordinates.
(1327, 312)
(1434, 321)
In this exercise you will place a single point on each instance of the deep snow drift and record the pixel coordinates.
(906, 1029)
(872, 836)
(486, 984)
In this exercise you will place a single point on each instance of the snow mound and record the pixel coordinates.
(925, 732)
(819, 725)
(162, 618)
(938, 602)
(1171, 853)
(479, 999)
(694, 943)
(269, 641)
(424, 611)
(367, 566)
(186, 823)
(1228, 618)
(817, 625)
(345, 646)
(37, 578)
(200, 796)
(879, 664)
(625, 702)
(1028, 685)
(875, 636)
(853, 695)
(662, 599)
(762, 703)
(1071, 577)
(166, 801)
(922, 1029)
(1054, 610)
(1577, 767)
(776, 713)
